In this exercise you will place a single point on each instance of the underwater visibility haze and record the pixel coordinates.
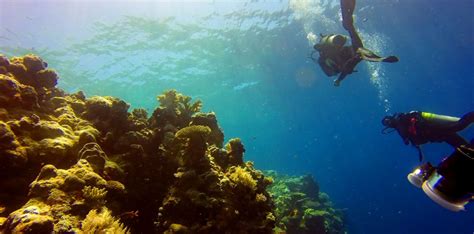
(249, 63)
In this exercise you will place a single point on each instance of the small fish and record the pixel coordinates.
(129, 215)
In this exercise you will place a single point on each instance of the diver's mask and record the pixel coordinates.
(448, 185)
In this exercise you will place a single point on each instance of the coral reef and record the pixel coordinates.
(76, 164)
(102, 222)
(301, 208)
(60, 199)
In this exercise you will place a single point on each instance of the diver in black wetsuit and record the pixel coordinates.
(335, 58)
(451, 183)
(420, 128)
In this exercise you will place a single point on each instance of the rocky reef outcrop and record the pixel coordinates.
(301, 208)
(76, 164)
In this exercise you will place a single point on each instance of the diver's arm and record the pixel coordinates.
(341, 77)
(402, 126)
(404, 135)
(348, 68)
(328, 70)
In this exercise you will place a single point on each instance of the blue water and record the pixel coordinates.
(247, 61)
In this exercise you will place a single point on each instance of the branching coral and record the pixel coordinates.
(180, 104)
(102, 222)
(186, 108)
(242, 177)
(175, 109)
(94, 195)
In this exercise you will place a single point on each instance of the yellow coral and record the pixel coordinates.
(235, 146)
(236, 150)
(193, 132)
(169, 99)
(102, 222)
(180, 103)
(242, 177)
(94, 194)
(260, 197)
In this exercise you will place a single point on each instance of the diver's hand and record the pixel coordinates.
(337, 82)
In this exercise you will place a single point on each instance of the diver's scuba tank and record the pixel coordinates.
(336, 41)
(438, 120)
(451, 184)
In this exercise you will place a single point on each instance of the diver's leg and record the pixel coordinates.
(455, 140)
(453, 126)
(347, 9)
(465, 121)
(355, 39)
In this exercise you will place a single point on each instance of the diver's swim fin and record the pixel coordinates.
(368, 55)
(390, 59)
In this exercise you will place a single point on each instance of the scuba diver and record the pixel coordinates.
(418, 128)
(335, 58)
(451, 183)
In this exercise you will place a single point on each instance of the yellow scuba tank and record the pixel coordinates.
(435, 119)
(331, 41)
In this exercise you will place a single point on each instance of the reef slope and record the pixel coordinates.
(71, 163)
